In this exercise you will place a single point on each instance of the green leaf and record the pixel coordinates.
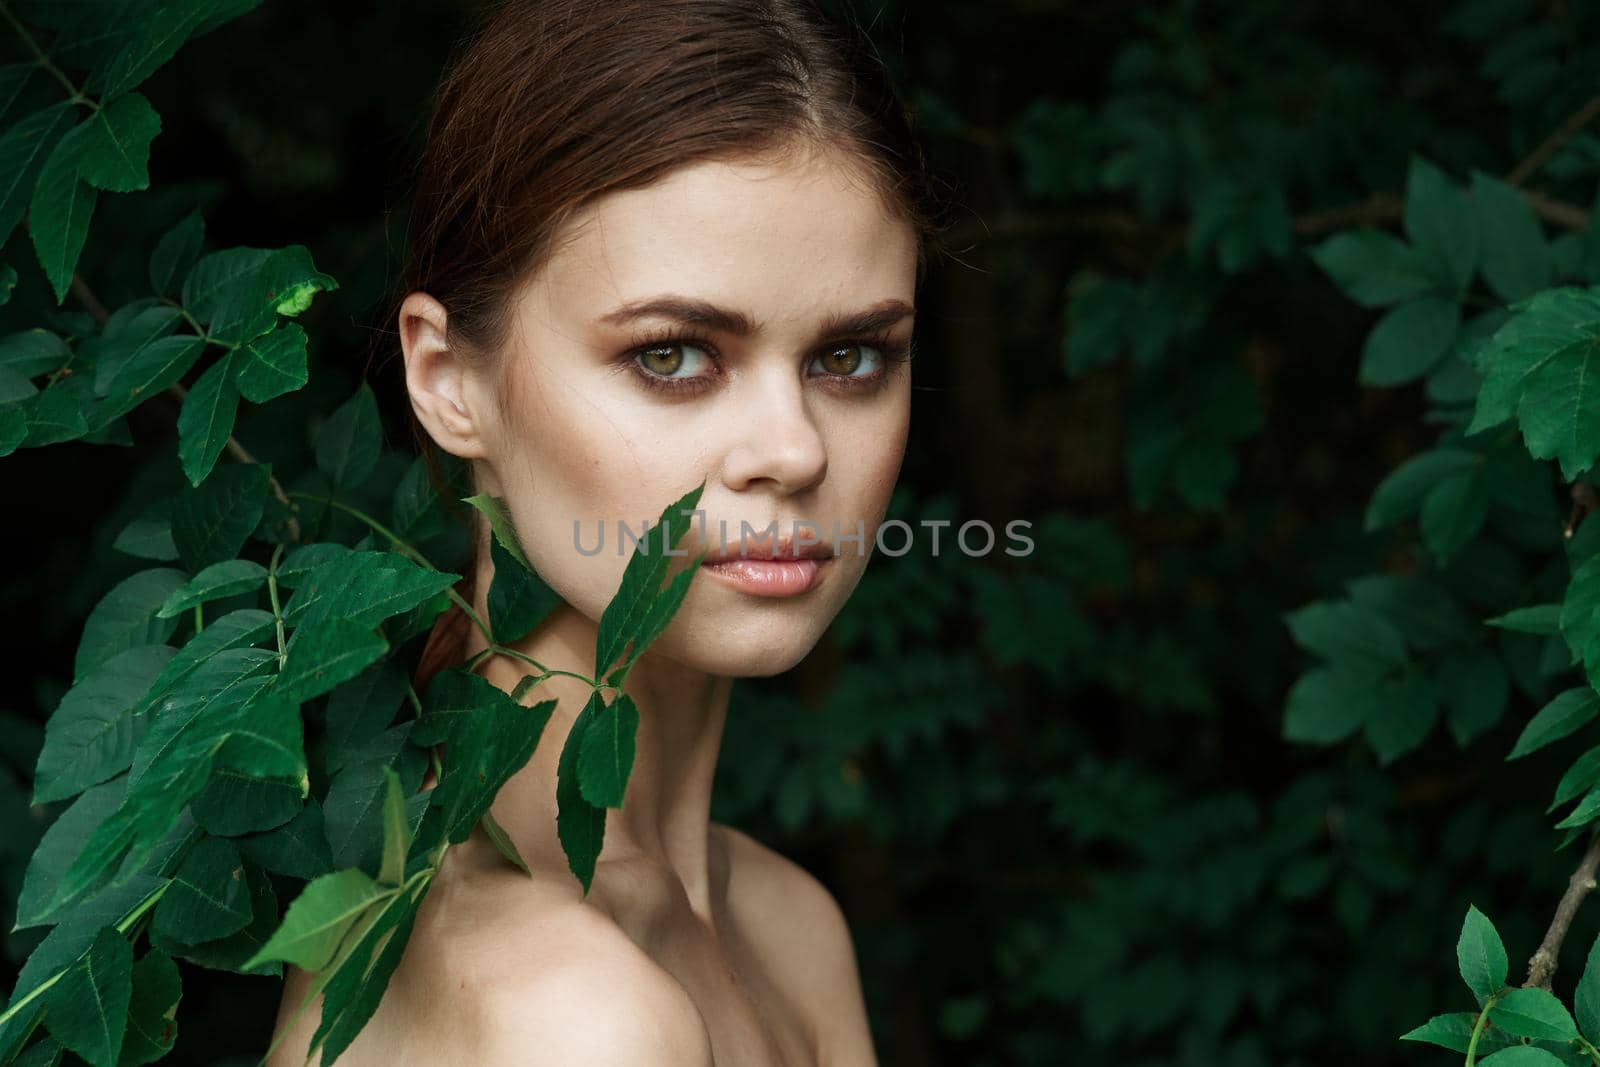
(319, 918)
(1401, 716)
(327, 654)
(1481, 955)
(234, 630)
(1373, 268)
(87, 1009)
(660, 613)
(1586, 998)
(272, 364)
(1452, 1031)
(606, 756)
(298, 848)
(353, 808)
(1516, 260)
(1586, 811)
(138, 355)
(580, 825)
(176, 252)
(59, 211)
(1357, 638)
(126, 618)
(151, 41)
(1409, 340)
(354, 990)
(115, 151)
(235, 802)
(494, 509)
(211, 522)
(362, 708)
(152, 1010)
(230, 953)
(59, 846)
(237, 292)
(1400, 495)
(519, 600)
(1522, 1056)
(1583, 775)
(363, 587)
(24, 148)
(1569, 712)
(66, 945)
(45, 1052)
(396, 831)
(1548, 323)
(1533, 1013)
(1326, 705)
(91, 735)
(1443, 226)
(624, 617)
(351, 440)
(171, 765)
(1473, 686)
(208, 898)
(58, 413)
(33, 352)
(1533, 619)
(228, 578)
(1453, 513)
(268, 739)
(488, 737)
(206, 421)
(502, 841)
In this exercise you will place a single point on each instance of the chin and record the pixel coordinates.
(747, 654)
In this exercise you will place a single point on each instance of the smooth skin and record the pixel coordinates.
(696, 945)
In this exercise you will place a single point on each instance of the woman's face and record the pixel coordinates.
(779, 403)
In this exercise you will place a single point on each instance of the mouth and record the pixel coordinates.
(785, 551)
(769, 577)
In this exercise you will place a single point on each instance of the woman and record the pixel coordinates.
(654, 244)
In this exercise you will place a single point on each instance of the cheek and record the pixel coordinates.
(878, 459)
(566, 462)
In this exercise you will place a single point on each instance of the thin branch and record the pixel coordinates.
(1552, 144)
(1543, 964)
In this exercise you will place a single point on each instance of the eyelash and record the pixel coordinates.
(893, 356)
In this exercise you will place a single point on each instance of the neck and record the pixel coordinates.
(666, 809)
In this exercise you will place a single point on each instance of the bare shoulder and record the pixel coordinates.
(552, 973)
(593, 1005)
(500, 965)
(796, 920)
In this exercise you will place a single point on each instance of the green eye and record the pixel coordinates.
(665, 360)
(847, 360)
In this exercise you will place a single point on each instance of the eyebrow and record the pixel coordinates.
(692, 312)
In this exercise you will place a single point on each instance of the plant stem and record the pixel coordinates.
(73, 92)
(123, 925)
(272, 594)
(1477, 1030)
(1543, 964)
(1552, 144)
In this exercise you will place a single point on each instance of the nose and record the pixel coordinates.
(778, 440)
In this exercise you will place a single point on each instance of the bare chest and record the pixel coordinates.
(751, 1012)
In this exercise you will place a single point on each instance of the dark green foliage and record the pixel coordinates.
(1281, 336)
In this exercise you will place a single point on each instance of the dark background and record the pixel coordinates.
(1052, 795)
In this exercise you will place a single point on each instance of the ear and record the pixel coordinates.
(437, 378)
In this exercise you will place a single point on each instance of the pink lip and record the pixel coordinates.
(764, 577)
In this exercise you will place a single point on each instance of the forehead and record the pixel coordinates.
(783, 242)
